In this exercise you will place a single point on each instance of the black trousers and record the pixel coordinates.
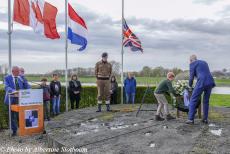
(113, 99)
(14, 120)
(75, 99)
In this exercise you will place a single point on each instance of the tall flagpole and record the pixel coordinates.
(9, 37)
(10, 59)
(122, 55)
(66, 55)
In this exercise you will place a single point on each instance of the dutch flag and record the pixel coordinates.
(77, 29)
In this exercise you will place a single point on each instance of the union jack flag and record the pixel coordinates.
(130, 39)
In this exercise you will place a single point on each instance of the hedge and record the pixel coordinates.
(88, 99)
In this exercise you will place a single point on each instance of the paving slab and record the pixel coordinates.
(120, 131)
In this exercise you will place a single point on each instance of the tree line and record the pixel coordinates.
(146, 71)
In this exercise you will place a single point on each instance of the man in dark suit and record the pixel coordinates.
(14, 83)
(199, 69)
(23, 77)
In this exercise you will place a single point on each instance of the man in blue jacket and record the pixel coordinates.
(13, 83)
(204, 84)
(130, 88)
(23, 77)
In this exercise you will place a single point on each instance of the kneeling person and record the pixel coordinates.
(164, 87)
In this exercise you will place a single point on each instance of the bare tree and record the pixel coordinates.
(116, 67)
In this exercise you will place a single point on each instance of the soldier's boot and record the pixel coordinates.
(108, 106)
(158, 118)
(99, 107)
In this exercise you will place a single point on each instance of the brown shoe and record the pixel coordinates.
(170, 117)
(158, 118)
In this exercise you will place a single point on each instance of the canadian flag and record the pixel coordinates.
(38, 14)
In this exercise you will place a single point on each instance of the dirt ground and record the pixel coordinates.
(18, 144)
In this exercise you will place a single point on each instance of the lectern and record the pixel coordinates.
(30, 111)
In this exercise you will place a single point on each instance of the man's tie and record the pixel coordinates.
(16, 83)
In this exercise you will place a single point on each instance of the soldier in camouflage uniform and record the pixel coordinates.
(103, 71)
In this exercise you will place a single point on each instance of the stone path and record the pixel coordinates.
(122, 132)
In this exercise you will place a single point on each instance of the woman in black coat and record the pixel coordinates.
(113, 90)
(74, 91)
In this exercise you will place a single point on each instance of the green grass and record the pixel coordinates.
(62, 79)
(1, 86)
(222, 82)
(140, 80)
(220, 100)
(215, 100)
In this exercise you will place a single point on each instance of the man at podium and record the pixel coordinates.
(14, 83)
(23, 77)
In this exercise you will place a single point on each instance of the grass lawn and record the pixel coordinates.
(1, 86)
(220, 100)
(140, 80)
(222, 82)
(215, 100)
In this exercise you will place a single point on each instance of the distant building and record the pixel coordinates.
(3, 69)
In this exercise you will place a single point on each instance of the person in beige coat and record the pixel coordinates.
(103, 71)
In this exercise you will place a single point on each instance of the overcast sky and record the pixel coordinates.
(170, 31)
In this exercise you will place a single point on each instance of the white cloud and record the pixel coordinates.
(169, 30)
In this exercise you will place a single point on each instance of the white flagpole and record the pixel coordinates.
(122, 55)
(9, 37)
(66, 55)
(10, 58)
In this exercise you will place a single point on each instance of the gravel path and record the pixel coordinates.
(24, 145)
